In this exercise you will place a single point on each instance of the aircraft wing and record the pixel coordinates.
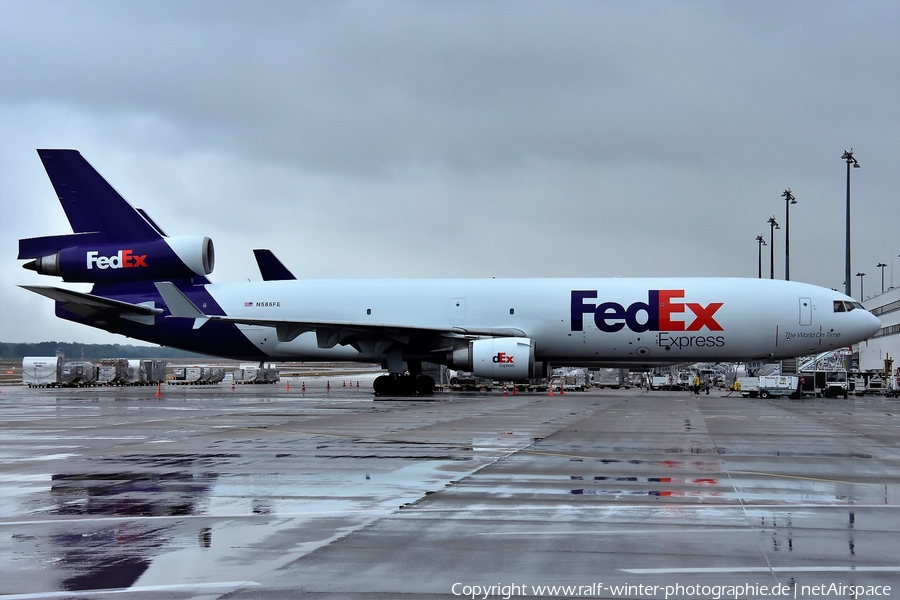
(329, 333)
(89, 305)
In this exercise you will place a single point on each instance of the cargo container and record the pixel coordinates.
(41, 371)
(610, 378)
(186, 375)
(153, 372)
(256, 373)
(78, 373)
(146, 372)
(211, 375)
(197, 375)
(112, 371)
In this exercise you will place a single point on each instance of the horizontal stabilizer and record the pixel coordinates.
(51, 244)
(270, 267)
(89, 305)
(179, 305)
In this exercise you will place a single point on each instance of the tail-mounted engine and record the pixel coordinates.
(506, 359)
(86, 262)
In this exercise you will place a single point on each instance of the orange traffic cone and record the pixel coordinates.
(158, 390)
(287, 387)
(328, 386)
(303, 387)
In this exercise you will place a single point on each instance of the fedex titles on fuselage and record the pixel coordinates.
(123, 259)
(661, 313)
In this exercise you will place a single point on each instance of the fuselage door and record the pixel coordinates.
(457, 312)
(805, 311)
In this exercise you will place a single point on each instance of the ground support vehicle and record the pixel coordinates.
(826, 383)
(869, 383)
(680, 382)
(766, 386)
(892, 386)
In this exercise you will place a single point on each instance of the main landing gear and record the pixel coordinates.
(403, 385)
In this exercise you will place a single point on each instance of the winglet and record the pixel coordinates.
(180, 305)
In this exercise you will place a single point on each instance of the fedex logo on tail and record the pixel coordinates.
(124, 259)
(662, 312)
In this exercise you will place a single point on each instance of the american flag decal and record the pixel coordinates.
(246, 304)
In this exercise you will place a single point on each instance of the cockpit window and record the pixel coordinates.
(856, 305)
(838, 306)
(844, 306)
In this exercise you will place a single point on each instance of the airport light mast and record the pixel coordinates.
(773, 225)
(881, 266)
(861, 287)
(760, 241)
(848, 156)
(788, 200)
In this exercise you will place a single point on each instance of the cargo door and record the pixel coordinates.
(457, 312)
(805, 311)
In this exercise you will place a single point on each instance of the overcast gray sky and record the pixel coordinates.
(459, 139)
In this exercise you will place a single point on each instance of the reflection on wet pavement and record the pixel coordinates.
(207, 492)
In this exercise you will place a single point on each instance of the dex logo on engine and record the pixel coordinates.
(123, 259)
(503, 359)
(661, 312)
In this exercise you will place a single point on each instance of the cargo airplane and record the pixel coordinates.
(153, 287)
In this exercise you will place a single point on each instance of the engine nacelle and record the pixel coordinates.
(164, 258)
(506, 359)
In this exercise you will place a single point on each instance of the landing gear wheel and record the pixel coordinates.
(424, 385)
(403, 385)
(382, 385)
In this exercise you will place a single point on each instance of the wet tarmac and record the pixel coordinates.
(267, 492)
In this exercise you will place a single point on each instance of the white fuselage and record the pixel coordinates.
(572, 321)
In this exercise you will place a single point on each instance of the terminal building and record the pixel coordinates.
(886, 343)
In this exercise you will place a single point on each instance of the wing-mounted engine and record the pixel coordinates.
(506, 359)
(76, 258)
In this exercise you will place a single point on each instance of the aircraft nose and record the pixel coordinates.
(872, 324)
